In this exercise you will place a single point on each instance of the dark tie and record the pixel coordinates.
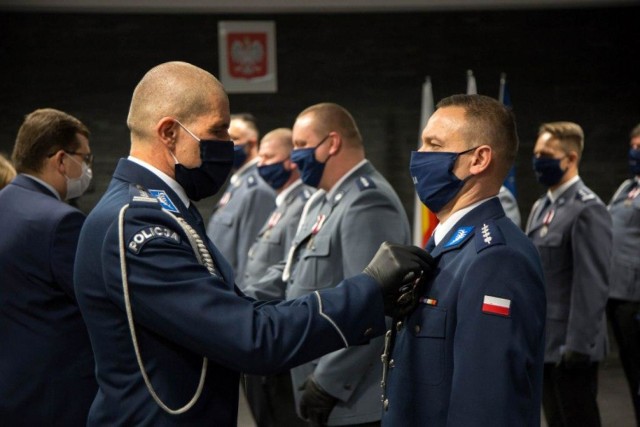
(547, 202)
(431, 244)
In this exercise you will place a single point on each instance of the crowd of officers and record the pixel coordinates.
(142, 313)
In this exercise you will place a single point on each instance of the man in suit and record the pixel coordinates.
(271, 397)
(170, 331)
(46, 363)
(623, 308)
(471, 354)
(355, 210)
(571, 229)
(247, 201)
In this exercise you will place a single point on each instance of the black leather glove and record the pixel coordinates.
(315, 403)
(575, 360)
(401, 272)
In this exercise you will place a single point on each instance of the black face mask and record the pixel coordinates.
(206, 180)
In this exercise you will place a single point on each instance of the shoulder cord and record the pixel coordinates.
(204, 258)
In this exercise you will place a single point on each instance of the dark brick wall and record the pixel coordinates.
(562, 65)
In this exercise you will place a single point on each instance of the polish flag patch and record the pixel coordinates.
(495, 305)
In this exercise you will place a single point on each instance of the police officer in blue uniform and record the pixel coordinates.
(271, 397)
(354, 211)
(46, 363)
(571, 229)
(169, 329)
(246, 203)
(623, 308)
(471, 354)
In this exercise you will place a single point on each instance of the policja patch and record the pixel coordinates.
(149, 233)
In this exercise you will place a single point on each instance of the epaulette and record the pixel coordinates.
(489, 235)
(252, 181)
(140, 197)
(365, 182)
(584, 195)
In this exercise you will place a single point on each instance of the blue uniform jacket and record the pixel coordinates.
(46, 363)
(462, 358)
(183, 313)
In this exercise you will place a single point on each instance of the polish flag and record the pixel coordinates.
(495, 305)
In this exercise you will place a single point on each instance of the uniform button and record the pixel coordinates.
(392, 363)
(417, 329)
(385, 404)
(398, 326)
(368, 332)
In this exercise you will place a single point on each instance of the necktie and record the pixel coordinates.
(431, 245)
(547, 203)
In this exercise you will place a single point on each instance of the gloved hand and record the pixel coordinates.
(573, 359)
(401, 272)
(315, 403)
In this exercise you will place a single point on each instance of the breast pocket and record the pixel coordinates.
(552, 251)
(316, 269)
(273, 243)
(223, 218)
(423, 357)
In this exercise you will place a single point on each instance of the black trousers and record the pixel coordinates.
(569, 395)
(625, 322)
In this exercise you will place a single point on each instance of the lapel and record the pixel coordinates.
(133, 173)
(468, 226)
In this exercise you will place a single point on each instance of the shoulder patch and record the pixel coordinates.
(140, 197)
(584, 195)
(459, 237)
(488, 236)
(146, 234)
(251, 181)
(365, 183)
(164, 200)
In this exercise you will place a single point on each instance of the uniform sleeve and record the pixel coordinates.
(254, 213)
(510, 205)
(591, 248)
(497, 360)
(370, 220)
(176, 297)
(63, 250)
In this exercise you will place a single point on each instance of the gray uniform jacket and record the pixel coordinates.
(510, 205)
(573, 237)
(274, 240)
(239, 215)
(624, 208)
(337, 239)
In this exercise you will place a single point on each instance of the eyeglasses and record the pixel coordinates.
(88, 158)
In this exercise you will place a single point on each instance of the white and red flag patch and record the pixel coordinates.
(495, 305)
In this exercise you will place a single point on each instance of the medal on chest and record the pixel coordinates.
(316, 228)
(546, 221)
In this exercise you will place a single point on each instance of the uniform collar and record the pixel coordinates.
(443, 228)
(337, 185)
(555, 194)
(172, 183)
(235, 178)
(284, 193)
(44, 184)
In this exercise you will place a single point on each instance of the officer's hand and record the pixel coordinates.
(401, 272)
(315, 403)
(573, 360)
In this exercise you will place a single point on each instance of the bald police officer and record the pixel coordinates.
(169, 329)
(571, 228)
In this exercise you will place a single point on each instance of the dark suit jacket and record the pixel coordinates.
(46, 363)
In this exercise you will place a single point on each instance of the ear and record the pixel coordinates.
(57, 160)
(335, 143)
(573, 158)
(290, 164)
(481, 159)
(166, 131)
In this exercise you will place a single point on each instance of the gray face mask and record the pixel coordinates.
(77, 186)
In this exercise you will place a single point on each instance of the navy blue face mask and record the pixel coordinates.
(634, 161)
(432, 174)
(207, 179)
(239, 155)
(275, 174)
(547, 170)
(310, 169)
